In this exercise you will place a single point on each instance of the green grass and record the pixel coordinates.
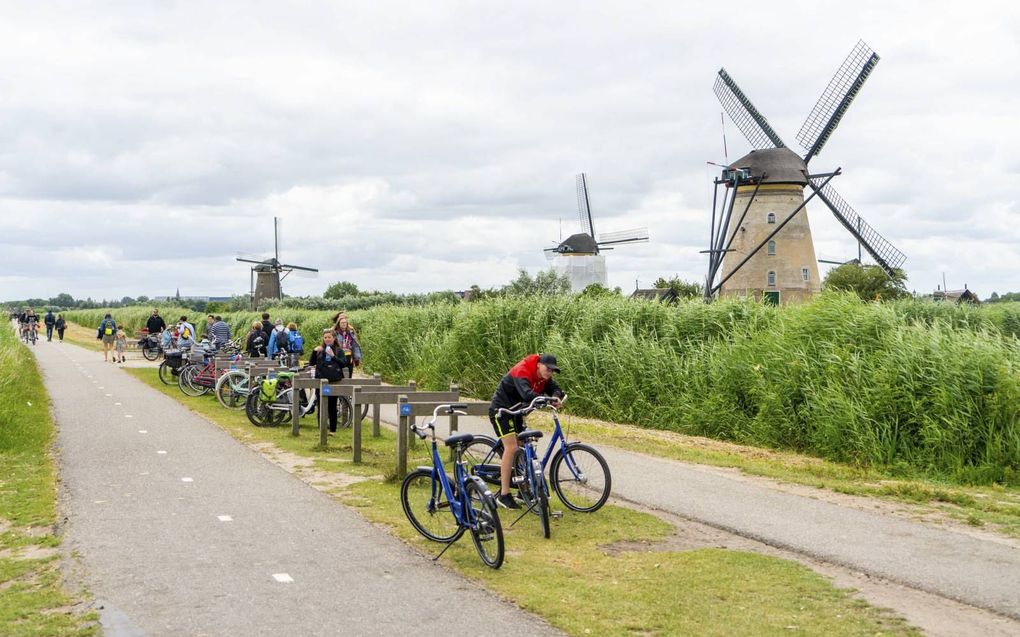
(581, 581)
(33, 599)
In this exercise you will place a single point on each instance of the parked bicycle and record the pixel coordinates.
(442, 509)
(578, 473)
(232, 388)
(150, 346)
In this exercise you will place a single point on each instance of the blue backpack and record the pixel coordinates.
(296, 345)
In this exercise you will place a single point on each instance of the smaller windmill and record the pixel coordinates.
(578, 256)
(266, 273)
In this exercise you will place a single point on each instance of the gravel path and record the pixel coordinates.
(183, 531)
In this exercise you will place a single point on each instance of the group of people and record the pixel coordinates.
(114, 339)
(29, 320)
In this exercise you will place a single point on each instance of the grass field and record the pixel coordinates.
(578, 580)
(33, 600)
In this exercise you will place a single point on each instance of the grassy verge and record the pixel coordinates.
(32, 597)
(577, 580)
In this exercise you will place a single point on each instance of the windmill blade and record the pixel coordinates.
(884, 253)
(276, 238)
(751, 123)
(262, 262)
(634, 235)
(584, 205)
(287, 266)
(836, 99)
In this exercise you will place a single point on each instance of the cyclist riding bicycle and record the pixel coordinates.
(528, 379)
(26, 320)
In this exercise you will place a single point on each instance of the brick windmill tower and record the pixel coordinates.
(760, 246)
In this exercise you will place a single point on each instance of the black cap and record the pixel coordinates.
(549, 361)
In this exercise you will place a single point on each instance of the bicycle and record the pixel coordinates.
(441, 509)
(150, 346)
(579, 474)
(232, 388)
(269, 401)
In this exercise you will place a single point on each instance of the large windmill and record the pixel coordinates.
(266, 273)
(578, 256)
(766, 249)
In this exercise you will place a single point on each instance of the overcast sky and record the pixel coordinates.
(418, 146)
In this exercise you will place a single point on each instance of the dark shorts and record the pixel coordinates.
(506, 424)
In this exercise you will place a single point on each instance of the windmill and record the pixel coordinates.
(767, 186)
(578, 256)
(265, 274)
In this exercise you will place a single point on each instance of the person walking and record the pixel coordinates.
(347, 341)
(50, 321)
(277, 339)
(267, 327)
(325, 358)
(528, 379)
(121, 344)
(107, 332)
(61, 325)
(155, 324)
(255, 344)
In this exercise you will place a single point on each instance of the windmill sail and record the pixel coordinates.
(751, 123)
(836, 99)
(634, 235)
(885, 254)
(584, 205)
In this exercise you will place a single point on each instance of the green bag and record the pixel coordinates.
(268, 391)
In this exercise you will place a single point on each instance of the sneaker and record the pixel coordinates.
(507, 500)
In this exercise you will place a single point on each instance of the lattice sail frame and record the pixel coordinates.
(584, 206)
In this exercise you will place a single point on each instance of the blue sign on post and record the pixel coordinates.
(405, 410)
(327, 390)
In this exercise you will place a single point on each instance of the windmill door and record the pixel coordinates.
(771, 297)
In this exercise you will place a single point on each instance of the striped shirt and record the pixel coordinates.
(220, 332)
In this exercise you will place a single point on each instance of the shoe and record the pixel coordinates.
(507, 500)
(332, 432)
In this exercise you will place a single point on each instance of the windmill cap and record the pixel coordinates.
(549, 361)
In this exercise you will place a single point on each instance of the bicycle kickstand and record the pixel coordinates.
(524, 513)
(448, 545)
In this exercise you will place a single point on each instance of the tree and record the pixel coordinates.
(127, 300)
(683, 289)
(63, 300)
(597, 290)
(340, 290)
(871, 283)
(546, 282)
(142, 299)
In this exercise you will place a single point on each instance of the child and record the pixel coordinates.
(121, 344)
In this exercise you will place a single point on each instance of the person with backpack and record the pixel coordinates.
(277, 339)
(255, 344)
(61, 325)
(50, 321)
(107, 332)
(325, 358)
(187, 330)
(295, 345)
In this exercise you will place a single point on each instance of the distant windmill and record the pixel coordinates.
(767, 188)
(265, 274)
(578, 256)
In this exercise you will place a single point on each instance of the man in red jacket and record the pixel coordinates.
(528, 379)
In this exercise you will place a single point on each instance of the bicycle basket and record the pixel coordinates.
(196, 356)
(174, 359)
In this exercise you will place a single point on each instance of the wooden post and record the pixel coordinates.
(411, 420)
(375, 412)
(356, 433)
(403, 422)
(295, 408)
(454, 418)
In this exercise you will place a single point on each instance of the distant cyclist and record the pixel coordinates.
(528, 379)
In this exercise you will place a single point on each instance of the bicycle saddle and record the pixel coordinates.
(529, 435)
(460, 439)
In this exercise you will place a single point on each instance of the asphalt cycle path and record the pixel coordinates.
(183, 531)
(980, 572)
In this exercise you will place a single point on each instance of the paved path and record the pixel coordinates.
(183, 531)
(982, 573)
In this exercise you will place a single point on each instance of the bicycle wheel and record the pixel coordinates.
(364, 412)
(580, 477)
(532, 487)
(344, 412)
(167, 374)
(486, 531)
(150, 353)
(427, 508)
(480, 451)
(232, 389)
(278, 416)
(184, 381)
(258, 413)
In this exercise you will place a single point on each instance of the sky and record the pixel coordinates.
(428, 146)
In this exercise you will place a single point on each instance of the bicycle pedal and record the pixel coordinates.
(556, 514)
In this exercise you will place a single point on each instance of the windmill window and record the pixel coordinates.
(772, 247)
(770, 217)
(772, 278)
(805, 274)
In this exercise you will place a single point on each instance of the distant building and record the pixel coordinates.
(667, 295)
(956, 296)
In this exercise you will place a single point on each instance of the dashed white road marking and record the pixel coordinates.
(143, 431)
(283, 578)
(116, 404)
(109, 395)
(128, 416)
(144, 473)
(225, 518)
(161, 451)
(100, 501)
(187, 480)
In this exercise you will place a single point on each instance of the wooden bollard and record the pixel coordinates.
(411, 421)
(454, 422)
(323, 415)
(403, 422)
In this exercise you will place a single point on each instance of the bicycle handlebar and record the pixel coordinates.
(538, 403)
(448, 409)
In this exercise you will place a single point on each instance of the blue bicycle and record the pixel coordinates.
(578, 473)
(441, 508)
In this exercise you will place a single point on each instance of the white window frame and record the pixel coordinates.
(805, 274)
(770, 278)
(770, 217)
(771, 249)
